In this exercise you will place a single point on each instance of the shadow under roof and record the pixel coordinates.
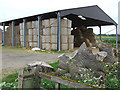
(94, 16)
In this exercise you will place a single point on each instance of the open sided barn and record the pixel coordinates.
(58, 30)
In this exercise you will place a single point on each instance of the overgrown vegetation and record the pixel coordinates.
(110, 80)
(111, 39)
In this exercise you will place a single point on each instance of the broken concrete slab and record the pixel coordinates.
(81, 58)
(41, 66)
(101, 55)
(110, 54)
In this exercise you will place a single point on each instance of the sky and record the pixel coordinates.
(13, 9)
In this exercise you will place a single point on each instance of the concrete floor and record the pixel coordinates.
(13, 59)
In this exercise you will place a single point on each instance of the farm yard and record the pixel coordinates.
(59, 49)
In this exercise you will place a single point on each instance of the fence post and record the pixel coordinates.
(57, 86)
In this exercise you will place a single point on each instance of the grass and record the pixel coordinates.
(54, 51)
(109, 39)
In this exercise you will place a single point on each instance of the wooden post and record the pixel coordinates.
(57, 86)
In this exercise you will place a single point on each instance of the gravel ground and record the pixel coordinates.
(13, 59)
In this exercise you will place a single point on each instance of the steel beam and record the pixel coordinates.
(58, 31)
(3, 33)
(39, 32)
(13, 33)
(116, 38)
(24, 30)
(100, 32)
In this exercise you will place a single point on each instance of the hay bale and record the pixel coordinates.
(53, 22)
(63, 31)
(46, 31)
(54, 39)
(53, 30)
(64, 39)
(64, 46)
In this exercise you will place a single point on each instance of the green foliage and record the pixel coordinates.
(11, 81)
(112, 76)
(111, 39)
(55, 65)
(10, 78)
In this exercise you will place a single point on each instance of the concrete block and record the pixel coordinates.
(71, 38)
(53, 22)
(64, 46)
(63, 31)
(54, 46)
(46, 31)
(53, 30)
(54, 39)
(64, 23)
(68, 31)
(64, 39)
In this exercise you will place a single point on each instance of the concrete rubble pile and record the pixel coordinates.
(83, 61)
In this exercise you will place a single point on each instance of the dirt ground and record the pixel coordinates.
(15, 59)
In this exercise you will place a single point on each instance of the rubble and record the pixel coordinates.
(41, 66)
(109, 50)
(81, 59)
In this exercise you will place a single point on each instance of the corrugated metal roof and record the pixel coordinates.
(94, 15)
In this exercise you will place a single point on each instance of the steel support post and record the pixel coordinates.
(100, 32)
(3, 33)
(58, 31)
(116, 38)
(39, 32)
(24, 30)
(13, 33)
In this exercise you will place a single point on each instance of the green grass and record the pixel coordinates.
(55, 65)
(109, 39)
(54, 51)
(10, 78)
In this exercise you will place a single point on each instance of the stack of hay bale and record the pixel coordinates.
(82, 34)
(48, 34)
(8, 35)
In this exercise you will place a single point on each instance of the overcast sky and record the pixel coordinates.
(12, 9)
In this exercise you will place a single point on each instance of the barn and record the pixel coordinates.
(57, 30)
